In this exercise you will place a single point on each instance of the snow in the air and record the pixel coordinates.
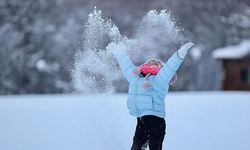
(96, 70)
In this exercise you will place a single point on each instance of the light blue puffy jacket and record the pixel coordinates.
(143, 102)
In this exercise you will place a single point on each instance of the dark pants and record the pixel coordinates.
(150, 130)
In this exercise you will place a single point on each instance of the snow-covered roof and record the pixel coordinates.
(233, 52)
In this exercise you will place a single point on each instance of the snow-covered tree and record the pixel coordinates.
(36, 49)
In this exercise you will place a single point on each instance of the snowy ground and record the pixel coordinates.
(195, 121)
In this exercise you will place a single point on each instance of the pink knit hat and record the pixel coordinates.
(146, 70)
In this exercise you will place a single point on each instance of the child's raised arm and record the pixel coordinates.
(167, 71)
(118, 50)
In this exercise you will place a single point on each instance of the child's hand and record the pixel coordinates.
(110, 48)
(116, 48)
(183, 50)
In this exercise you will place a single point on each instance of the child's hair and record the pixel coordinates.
(142, 74)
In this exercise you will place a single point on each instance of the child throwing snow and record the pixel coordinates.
(148, 87)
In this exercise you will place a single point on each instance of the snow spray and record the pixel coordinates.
(96, 70)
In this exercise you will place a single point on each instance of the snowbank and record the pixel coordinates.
(195, 121)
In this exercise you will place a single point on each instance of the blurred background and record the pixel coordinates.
(39, 41)
(50, 47)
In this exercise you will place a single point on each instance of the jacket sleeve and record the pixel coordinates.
(126, 64)
(166, 73)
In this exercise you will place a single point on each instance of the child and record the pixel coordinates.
(148, 87)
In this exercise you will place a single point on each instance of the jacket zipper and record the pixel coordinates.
(136, 104)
